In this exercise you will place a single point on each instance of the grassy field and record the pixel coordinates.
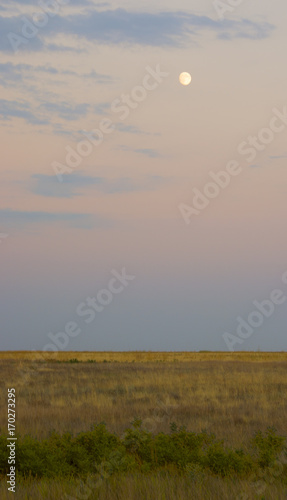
(144, 356)
(153, 487)
(232, 395)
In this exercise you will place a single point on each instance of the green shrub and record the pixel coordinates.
(98, 443)
(268, 446)
(4, 453)
(138, 450)
(224, 462)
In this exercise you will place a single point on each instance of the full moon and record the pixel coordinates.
(185, 78)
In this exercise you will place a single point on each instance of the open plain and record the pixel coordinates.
(230, 395)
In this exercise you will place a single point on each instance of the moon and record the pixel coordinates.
(185, 78)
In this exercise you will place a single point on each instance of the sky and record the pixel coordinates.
(137, 213)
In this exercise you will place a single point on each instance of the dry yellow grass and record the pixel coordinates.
(142, 487)
(144, 356)
(230, 394)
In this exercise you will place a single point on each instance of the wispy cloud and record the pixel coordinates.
(65, 110)
(74, 185)
(17, 109)
(19, 73)
(278, 157)
(120, 26)
(131, 129)
(150, 153)
(48, 107)
(102, 108)
(157, 29)
(48, 185)
(244, 29)
(44, 113)
(13, 219)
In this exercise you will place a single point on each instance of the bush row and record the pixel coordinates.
(139, 450)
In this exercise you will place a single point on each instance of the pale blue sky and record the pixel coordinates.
(118, 205)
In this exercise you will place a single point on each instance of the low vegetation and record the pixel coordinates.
(138, 450)
(97, 456)
(223, 445)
